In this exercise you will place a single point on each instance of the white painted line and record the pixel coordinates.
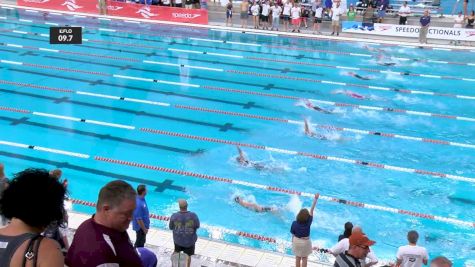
(57, 14)
(360, 55)
(20, 32)
(337, 83)
(103, 19)
(98, 95)
(31, 11)
(203, 68)
(5, 7)
(185, 51)
(422, 92)
(44, 35)
(106, 30)
(394, 168)
(51, 23)
(14, 45)
(239, 43)
(111, 124)
(3, 17)
(175, 83)
(418, 113)
(342, 160)
(131, 21)
(57, 151)
(56, 116)
(132, 78)
(147, 102)
(379, 88)
(49, 50)
(25, 20)
(370, 107)
(259, 33)
(408, 137)
(284, 151)
(471, 64)
(13, 144)
(462, 145)
(79, 16)
(223, 55)
(347, 68)
(207, 40)
(11, 62)
(389, 72)
(438, 61)
(85, 40)
(468, 79)
(465, 97)
(465, 119)
(161, 63)
(429, 76)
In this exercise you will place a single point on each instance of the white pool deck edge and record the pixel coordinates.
(219, 252)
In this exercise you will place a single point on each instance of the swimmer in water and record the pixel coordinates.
(356, 75)
(372, 49)
(350, 94)
(253, 206)
(309, 133)
(243, 161)
(309, 105)
(381, 61)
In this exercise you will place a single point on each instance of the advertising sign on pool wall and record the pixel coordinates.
(131, 10)
(459, 34)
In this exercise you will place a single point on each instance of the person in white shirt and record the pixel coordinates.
(265, 15)
(286, 14)
(165, 2)
(178, 3)
(317, 13)
(335, 14)
(276, 10)
(459, 21)
(411, 255)
(255, 14)
(295, 11)
(404, 12)
(344, 244)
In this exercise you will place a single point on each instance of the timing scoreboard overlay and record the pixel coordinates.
(65, 35)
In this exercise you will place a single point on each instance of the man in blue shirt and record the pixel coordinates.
(141, 219)
(425, 21)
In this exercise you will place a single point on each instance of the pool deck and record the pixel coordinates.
(209, 252)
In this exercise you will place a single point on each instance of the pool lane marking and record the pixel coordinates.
(355, 106)
(284, 191)
(329, 127)
(181, 65)
(215, 140)
(44, 149)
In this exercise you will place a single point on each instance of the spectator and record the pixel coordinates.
(344, 244)
(178, 3)
(286, 14)
(404, 12)
(305, 14)
(296, 19)
(425, 22)
(276, 11)
(33, 201)
(184, 225)
(318, 16)
(229, 13)
(255, 14)
(381, 13)
(459, 20)
(358, 250)
(102, 7)
(265, 15)
(347, 232)
(244, 13)
(149, 259)
(58, 233)
(56, 173)
(368, 14)
(300, 229)
(103, 239)
(351, 14)
(4, 182)
(411, 255)
(196, 4)
(141, 219)
(440, 261)
(188, 4)
(470, 20)
(335, 14)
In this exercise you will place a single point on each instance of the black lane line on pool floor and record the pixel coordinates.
(27, 121)
(222, 127)
(159, 187)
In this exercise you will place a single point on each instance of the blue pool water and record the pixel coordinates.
(238, 64)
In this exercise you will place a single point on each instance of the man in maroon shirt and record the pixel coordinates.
(103, 240)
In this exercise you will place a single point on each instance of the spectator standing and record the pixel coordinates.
(276, 11)
(346, 232)
(351, 14)
(188, 4)
(286, 14)
(404, 12)
(300, 229)
(255, 14)
(141, 217)
(229, 13)
(440, 261)
(178, 3)
(296, 19)
(425, 22)
(358, 250)
(318, 16)
(184, 225)
(103, 240)
(368, 14)
(33, 201)
(244, 13)
(344, 245)
(305, 14)
(265, 15)
(335, 14)
(411, 255)
(458, 21)
(470, 20)
(381, 13)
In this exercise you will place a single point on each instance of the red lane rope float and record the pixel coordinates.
(36, 86)
(15, 110)
(66, 69)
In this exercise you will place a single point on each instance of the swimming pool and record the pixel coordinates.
(166, 107)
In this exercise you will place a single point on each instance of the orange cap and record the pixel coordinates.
(359, 239)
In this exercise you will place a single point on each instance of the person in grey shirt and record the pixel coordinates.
(184, 225)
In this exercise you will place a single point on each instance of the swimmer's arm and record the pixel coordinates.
(314, 204)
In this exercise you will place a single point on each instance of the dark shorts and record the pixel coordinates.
(229, 13)
(264, 18)
(286, 18)
(188, 251)
(244, 15)
(318, 20)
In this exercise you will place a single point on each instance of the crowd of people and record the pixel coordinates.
(33, 204)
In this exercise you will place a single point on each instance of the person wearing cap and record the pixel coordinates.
(411, 255)
(359, 249)
(344, 244)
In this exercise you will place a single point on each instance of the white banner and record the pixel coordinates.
(461, 34)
